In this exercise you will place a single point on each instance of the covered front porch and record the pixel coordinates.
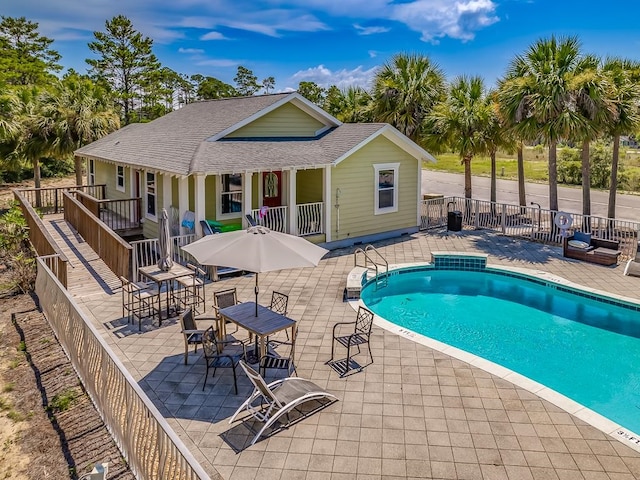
(289, 201)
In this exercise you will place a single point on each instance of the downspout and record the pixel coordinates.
(338, 193)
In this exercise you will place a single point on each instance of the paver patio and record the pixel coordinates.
(414, 413)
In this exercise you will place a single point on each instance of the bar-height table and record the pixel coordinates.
(153, 273)
(266, 323)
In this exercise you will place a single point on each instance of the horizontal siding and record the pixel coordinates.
(210, 197)
(285, 121)
(309, 186)
(175, 191)
(150, 229)
(355, 177)
(106, 173)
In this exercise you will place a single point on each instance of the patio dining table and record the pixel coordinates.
(153, 273)
(266, 323)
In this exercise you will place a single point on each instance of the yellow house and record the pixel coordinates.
(278, 158)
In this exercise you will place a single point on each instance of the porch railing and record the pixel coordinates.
(49, 200)
(527, 221)
(113, 250)
(275, 218)
(42, 241)
(310, 218)
(147, 442)
(119, 214)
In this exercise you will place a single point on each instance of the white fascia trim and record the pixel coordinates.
(295, 98)
(396, 137)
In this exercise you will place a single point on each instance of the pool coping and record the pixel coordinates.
(602, 423)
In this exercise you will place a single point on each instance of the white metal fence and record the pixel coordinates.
(528, 222)
(310, 218)
(275, 218)
(147, 442)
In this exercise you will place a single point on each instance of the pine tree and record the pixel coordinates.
(125, 62)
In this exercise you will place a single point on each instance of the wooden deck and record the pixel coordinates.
(87, 273)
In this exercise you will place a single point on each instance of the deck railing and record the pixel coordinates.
(49, 200)
(310, 218)
(42, 241)
(119, 214)
(527, 221)
(147, 442)
(275, 218)
(113, 250)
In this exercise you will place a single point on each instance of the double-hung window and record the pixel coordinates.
(386, 188)
(231, 195)
(120, 178)
(151, 195)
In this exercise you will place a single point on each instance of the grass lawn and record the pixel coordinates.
(534, 170)
(535, 166)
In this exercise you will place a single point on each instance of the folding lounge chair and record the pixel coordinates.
(277, 398)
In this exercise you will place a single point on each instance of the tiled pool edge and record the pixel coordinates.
(585, 414)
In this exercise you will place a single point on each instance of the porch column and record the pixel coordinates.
(247, 201)
(199, 203)
(293, 209)
(328, 205)
(183, 199)
(167, 194)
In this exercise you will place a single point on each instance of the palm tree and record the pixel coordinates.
(535, 96)
(30, 141)
(589, 90)
(405, 91)
(355, 106)
(495, 137)
(462, 121)
(624, 93)
(76, 113)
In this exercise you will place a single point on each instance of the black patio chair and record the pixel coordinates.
(360, 335)
(216, 357)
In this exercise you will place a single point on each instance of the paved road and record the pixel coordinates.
(569, 199)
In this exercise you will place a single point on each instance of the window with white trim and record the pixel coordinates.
(386, 188)
(231, 195)
(120, 178)
(92, 172)
(151, 195)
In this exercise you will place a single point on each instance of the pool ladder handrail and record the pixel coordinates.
(381, 281)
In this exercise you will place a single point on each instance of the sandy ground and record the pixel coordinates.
(6, 195)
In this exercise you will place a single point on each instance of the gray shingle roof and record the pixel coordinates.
(177, 142)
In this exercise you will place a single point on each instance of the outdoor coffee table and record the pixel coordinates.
(266, 323)
(153, 273)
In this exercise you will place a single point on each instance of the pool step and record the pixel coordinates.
(354, 282)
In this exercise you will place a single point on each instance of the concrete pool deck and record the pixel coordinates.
(414, 413)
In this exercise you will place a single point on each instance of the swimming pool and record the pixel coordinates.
(581, 345)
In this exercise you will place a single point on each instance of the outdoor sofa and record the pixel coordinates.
(585, 247)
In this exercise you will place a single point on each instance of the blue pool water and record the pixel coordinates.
(585, 349)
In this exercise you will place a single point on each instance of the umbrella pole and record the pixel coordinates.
(257, 290)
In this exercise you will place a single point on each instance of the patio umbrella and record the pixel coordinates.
(256, 249)
(165, 262)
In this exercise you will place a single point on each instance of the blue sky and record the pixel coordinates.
(338, 42)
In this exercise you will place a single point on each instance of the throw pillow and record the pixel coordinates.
(583, 237)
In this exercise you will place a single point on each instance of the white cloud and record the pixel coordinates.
(221, 62)
(370, 30)
(213, 36)
(191, 51)
(344, 78)
(372, 53)
(446, 18)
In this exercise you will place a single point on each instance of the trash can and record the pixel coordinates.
(454, 221)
